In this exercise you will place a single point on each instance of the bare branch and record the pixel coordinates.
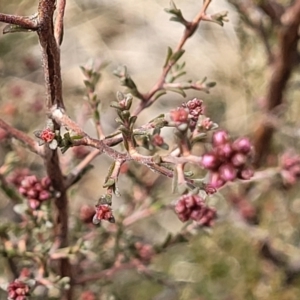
(31, 144)
(29, 23)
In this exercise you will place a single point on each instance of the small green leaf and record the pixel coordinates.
(159, 94)
(96, 115)
(125, 131)
(211, 84)
(132, 120)
(169, 55)
(109, 183)
(89, 85)
(76, 137)
(176, 56)
(115, 104)
(178, 91)
(119, 121)
(164, 146)
(110, 170)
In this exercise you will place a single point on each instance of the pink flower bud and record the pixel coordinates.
(246, 173)
(224, 151)
(180, 207)
(34, 204)
(38, 187)
(28, 181)
(239, 159)
(220, 137)
(227, 172)
(45, 182)
(216, 181)
(209, 189)
(47, 135)
(32, 193)
(179, 115)
(210, 161)
(242, 145)
(183, 217)
(44, 195)
(190, 201)
(196, 214)
(22, 191)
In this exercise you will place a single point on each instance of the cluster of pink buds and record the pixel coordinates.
(290, 168)
(18, 290)
(35, 190)
(103, 212)
(193, 207)
(195, 109)
(180, 115)
(228, 160)
(188, 114)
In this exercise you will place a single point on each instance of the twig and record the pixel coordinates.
(73, 175)
(30, 143)
(148, 98)
(29, 23)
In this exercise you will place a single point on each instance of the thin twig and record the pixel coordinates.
(148, 98)
(30, 143)
(29, 23)
(77, 170)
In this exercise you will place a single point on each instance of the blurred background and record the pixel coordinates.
(235, 258)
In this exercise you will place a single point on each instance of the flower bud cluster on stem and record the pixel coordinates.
(290, 168)
(228, 160)
(36, 191)
(18, 290)
(193, 207)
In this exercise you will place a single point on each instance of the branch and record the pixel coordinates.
(31, 144)
(29, 23)
(50, 53)
(284, 63)
(148, 98)
(52, 74)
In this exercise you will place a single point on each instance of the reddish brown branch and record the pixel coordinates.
(31, 144)
(50, 53)
(24, 22)
(283, 65)
(51, 64)
(148, 98)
